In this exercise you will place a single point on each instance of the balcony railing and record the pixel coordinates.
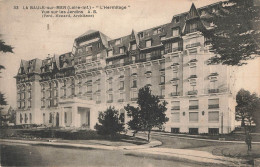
(193, 45)
(213, 90)
(110, 101)
(161, 96)
(193, 76)
(176, 108)
(175, 94)
(134, 99)
(194, 107)
(121, 100)
(193, 92)
(213, 106)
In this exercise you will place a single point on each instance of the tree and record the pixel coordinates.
(149, 114)
(236, 35)
(109, 123)
(3, 48)
(247, 106)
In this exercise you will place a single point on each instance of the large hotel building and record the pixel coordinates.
(69, 90)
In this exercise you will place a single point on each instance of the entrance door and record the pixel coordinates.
(57, 119)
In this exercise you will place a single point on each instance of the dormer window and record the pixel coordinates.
(110, 53)
(213, 10)
(157, 31)
(99, 45)
(203, 12)
(175, 32)
(133, 46)
(148, 43)
(98, 56)
(141, 35)
(118, 41)
(176, 19)
(121, 50)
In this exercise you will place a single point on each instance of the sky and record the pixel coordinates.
(33, 36)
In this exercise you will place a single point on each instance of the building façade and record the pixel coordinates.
(69, 90)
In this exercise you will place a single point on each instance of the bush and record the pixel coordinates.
(109, 123)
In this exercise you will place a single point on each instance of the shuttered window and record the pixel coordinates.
(175, 117)
(213, 116)
(193, 116)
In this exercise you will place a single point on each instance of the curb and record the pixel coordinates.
(153, 143)
(209, 140)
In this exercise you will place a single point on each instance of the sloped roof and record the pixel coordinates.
(87, 33)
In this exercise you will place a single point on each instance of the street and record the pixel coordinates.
(31, 155)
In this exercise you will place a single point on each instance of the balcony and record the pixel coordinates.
(193, 45)
(193, 107)
(161, 96)
(213, 90)
(176, 108)
(193, 76)
(121, 76)
(110, 101)
(121, 88)
(134, 99)
(120, 100)
(193, 92)
(175, 94)
(211, 106)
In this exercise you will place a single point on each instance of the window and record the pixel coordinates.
(110, 53)
(133, 46)
(65, 117)
(118, 41)
(29, 94)
(141, 35)
(193, 116)
(122, 50)
(194, 104)
(175, 46)
(134, 83)
(157, 31)
(21, 118)
(134, 94)
(163, 38)
(29, 103)
(175, 74)
(110, 85)
(89, 88)
(50, 118)
(213, 131)
(162, 79)
(162, 92)
(122, 85)
(175, 117)
(43, 117)
(213, 103)
(43, 103)
(193, 70)
(99, 45)
(148, 43)
(30, 117)
(98, 56)
(193, 130)
(110, 97)
(175, 105)
(193, 27)
(175, 32)
(213, 116)
(176, 19)
(55, 102)
(175, 130)
(25, 118)
(122, 96)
